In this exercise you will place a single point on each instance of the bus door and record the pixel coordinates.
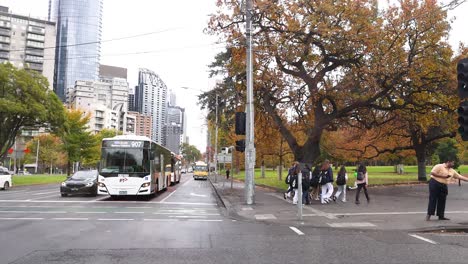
(162, 174)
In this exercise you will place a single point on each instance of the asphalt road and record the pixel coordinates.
(186, 224)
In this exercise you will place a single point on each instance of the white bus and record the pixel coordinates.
(133, 165)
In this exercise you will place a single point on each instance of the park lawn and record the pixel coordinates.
(19, 180)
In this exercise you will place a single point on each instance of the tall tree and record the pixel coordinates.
(332, 62)
(190, 152)
(78, 142)
(50, 152)
(25, 101)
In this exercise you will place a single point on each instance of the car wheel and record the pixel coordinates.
(6, 186)
(64, 194)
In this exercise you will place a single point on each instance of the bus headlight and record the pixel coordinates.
(101, 184)
(89, 184)
(144, 185)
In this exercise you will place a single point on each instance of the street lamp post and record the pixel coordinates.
(216, 140)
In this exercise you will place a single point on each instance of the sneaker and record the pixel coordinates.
(284, 196)
(357, 202)
(443, 218)
(294, 203)
(344, 200)
(334, 198)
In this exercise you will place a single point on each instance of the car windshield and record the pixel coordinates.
(83, 175)
(134, 162)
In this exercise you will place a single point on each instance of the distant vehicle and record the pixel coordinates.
(81, 182)
(5, 178)
(23, 172)
(189, 169)
(183, 170)
(200, 170)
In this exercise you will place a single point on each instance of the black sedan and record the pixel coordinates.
(81, 182)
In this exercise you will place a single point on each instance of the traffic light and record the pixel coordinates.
(463, 120)
(240, 145)
(240, 123)
(462, 76)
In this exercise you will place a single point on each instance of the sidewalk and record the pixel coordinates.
(391, 208)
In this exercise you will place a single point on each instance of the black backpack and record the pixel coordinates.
(341, 179)
(360, 176)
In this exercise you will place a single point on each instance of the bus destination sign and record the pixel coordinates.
(123, 144)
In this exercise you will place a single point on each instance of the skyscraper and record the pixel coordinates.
(78, 41)
(151, 99)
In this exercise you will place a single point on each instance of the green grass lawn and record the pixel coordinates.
(19, 180)
(378, 175)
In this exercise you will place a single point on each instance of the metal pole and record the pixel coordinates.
(37, 156)
(216, 140)
(299, 200)
(232, 165)
(250, 148)
(14, 161)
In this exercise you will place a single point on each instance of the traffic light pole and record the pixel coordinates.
(216, 140)
(250, 148)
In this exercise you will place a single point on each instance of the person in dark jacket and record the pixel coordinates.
(290, 181)
(306, 184)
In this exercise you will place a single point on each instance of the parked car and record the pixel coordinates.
(5, 178)
(81, 182)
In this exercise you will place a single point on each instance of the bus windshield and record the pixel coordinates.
(132, 161)
(200, 168)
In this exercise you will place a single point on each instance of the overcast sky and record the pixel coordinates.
(180, 52)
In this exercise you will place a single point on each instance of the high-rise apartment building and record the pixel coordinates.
(27, 42)
(151, 99)
(143, 124)
(78, 41)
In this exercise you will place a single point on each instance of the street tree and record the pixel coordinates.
(190, 152)
(25, 101)
(78, 142)
(51, 153)
(335, 63)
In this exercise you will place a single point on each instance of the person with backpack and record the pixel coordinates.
(305, 184)
(362, 180)
(314, 183)
(326, 181)
(341, 179)
(289, 182)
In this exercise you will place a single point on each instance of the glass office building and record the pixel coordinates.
(78, 44)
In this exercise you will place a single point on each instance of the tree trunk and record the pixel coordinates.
(421, 157)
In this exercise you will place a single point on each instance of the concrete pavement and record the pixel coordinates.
(401, 207)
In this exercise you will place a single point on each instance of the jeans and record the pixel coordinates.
(341, 189)
(359, 187)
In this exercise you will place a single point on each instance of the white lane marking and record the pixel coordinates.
(115, 219)
(299, 232)
(36, 212)
(381, 213)
(160, 220)
(361, 224)
(21, 218)
(206, 220)
(184, 213)
(247, 209)
(264, 216)
(423, 239)
(135, 207)
(56, 192)
(187, 216)
(163, 200)
(114, 202)
(129, 212)
(315, 211)
(89, 212)
(198, 195)
(71, 219)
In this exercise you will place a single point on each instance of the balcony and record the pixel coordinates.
(34, 59)
(36, 30)
(5, 32)
(5, 24)
(4, 47)
(4, 39)
(35, 52)
(4, 55)
(34, 37)
(34, 44)
(34, 66)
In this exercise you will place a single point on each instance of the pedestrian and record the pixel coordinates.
(289, 181)
(341, 179)
(441, 175)
(227, 173)
(294, 181)
(314, 183)
(362, 180)
(305, 184)
(326, 181)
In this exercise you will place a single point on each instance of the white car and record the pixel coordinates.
(5, 178)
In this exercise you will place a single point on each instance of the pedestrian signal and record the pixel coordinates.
(240, 123)
(240, 145)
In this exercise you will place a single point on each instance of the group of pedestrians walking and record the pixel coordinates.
(317, 184)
